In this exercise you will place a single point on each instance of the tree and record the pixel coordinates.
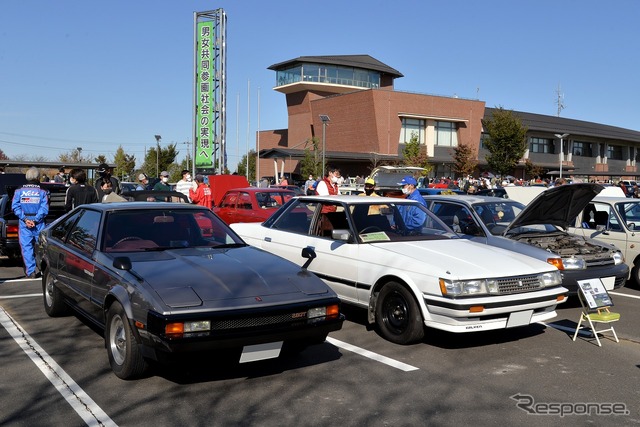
(242, 166)
(506, 141)
(3, 156)
(125, 165)
(74, 156)
(163, 159)
(100, 159)
(311, 164)
(464, 162)
(415, 154)
(531, 169)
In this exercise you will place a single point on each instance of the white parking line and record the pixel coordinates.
(624, 295)
(371, 355)
(86, 408)
(20, 296)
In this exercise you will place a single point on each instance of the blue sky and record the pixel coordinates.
(98, 75)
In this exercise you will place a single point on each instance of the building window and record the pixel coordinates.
(446, 134)
(582, 149)
(483, 137)
(614, 152)
(539, 145)
(411, 127)
(320, 73)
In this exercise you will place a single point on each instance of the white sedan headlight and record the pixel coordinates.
(463, 287)
(618, 258)
(552, 278)
(573, 263)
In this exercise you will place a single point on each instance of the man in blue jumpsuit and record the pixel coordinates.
(31, 206)
(412, 216)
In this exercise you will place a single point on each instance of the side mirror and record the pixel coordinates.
(340, 234)
(602, 229)
(122, 263)
(309, 253)
(472, 229)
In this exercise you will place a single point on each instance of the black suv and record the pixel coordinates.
(9, 182)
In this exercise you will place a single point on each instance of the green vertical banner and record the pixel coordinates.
(205, 136)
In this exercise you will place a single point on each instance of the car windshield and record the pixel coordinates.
(157, 229)
(273, 199)
(496, 216)
(365, 222)
(630, 213)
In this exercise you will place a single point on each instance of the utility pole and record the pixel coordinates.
(188, 144)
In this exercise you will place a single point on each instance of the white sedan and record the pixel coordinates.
(408, 278)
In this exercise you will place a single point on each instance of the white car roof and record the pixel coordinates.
(356, 200)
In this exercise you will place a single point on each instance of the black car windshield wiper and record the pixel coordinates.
(165, 248)
(230, 245)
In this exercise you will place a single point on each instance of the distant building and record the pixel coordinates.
(370, 122)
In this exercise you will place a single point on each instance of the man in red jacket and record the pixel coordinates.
(202, 194)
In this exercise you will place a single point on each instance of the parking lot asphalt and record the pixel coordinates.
(512, 377)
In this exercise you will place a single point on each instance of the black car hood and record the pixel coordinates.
(189, 277)
(557, 206)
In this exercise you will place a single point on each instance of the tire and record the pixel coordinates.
(398, 316)
(124, 353)
(635, 273)
(54, 303)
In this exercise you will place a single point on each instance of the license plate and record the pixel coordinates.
(608, 282)
(520, 318)
(252, 353)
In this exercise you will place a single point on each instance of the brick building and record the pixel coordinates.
(369, 122)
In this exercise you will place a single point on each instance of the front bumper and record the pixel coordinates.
(612, 276)
(498, 311)
(298, 331)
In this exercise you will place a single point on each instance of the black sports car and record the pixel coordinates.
(169, 278)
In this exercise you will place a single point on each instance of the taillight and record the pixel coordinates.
(12, 231)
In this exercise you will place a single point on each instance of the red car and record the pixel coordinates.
(251, 204)
(441, 183)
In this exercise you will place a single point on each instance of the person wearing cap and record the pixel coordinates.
(369, 190)
(144, 182)
(163, 184)
(185, 184)
(412, 216)
(202, 194)
(104, 170)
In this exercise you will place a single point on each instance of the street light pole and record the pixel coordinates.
(158, 138)
(324, 119)
(562, 137)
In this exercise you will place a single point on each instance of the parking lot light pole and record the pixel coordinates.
(158, 138)
(562, 137)
(324, 119)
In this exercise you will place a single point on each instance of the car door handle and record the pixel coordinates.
(267, 239)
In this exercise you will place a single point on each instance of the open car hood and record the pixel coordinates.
(557, 206)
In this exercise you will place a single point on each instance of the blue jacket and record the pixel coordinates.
(30, 202)
(412, 216)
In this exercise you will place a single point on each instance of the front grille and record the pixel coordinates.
(600, 262)
(512, 285)
(252, 322)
